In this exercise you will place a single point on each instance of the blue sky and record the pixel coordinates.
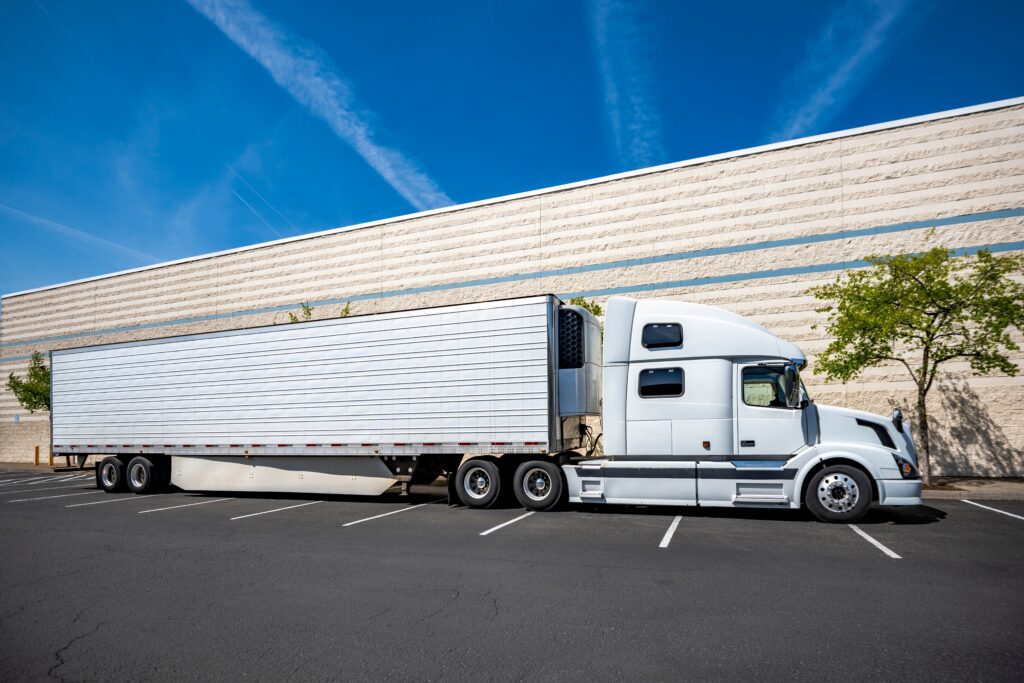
(139, 132)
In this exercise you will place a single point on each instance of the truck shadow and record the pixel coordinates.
(919, 514)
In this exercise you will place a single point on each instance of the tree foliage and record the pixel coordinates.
(32, 392)
(923, 310)
(589, 305)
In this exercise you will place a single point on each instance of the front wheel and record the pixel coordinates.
(839, 493)
(538, 485)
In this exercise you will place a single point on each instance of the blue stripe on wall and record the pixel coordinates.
(679, 256)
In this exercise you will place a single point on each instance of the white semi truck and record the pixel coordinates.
(699, 406)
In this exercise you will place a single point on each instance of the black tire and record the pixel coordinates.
(142, 476)
(110, 475)
(478, 483)
(538, 485)
(839, 493)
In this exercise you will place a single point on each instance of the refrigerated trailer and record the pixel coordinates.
(698, 406)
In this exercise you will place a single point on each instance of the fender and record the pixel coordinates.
(864, 455)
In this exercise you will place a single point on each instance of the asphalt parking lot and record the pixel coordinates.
(184, 586)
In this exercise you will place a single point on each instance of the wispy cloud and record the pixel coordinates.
(309, 76)
(623, 46)
(80, 235)
(849, 47)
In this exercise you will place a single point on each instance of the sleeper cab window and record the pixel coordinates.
(661, 382)
(662, 336)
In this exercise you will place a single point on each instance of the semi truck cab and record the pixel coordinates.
(702, 406)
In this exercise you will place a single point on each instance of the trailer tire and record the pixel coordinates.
(478, 483)
(839, 493)
(143, 476)
(538, 485)
(110, 475)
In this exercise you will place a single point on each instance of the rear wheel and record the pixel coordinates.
(143, 476)
(478, 483)
(538, 485)
(840, 493)
(110, 475)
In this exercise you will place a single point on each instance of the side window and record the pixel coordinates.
(764, 387)
(662, 336)
(661, 382)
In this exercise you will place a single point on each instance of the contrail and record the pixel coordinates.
(257, 214)
(262, 198)
(80, 235)
(844, 53)
(309, 76)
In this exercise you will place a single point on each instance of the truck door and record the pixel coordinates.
(764, 425)
(767, 433)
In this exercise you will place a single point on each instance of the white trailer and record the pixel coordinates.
(700, 407)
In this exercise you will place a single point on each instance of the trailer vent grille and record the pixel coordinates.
(570, 339)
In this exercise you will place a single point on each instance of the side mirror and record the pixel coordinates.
(897, 420)
(792, 374)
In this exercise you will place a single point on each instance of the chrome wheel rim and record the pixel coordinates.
(838, 492)
(477, 483)
(137, 475)
(108, 476)
(537, 484)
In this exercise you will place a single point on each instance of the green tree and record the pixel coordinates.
(33, 392)
(590, 305)
(921, 311)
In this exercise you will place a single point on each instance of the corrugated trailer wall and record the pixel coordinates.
(749, 231)
(446, 380)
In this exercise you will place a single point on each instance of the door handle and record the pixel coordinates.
(746, 444)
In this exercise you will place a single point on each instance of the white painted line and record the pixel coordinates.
(53, 479)
(267, 512)
(186, 505)
(511, 521)
(667, 538)
(101, 502)
(45, 488)
(386, 514)
(1002, 512)
(25, 480)
(66, 495)
(875, 543)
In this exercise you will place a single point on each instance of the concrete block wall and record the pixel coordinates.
(748, 231)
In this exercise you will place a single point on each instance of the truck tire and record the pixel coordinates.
(478, 483)
(143, 476)
(839, 493)
(538, 485)
(110, 475)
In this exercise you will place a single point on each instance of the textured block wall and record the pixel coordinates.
(749, 232)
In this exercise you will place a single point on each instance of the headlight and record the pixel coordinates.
(906, 468)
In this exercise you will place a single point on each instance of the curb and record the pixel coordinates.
(972, 495)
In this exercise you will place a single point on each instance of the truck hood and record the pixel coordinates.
(845, 425)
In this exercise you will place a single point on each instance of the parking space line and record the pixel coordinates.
(47, 480)
(45, 488)
(667, 538)
(267, 512)
(186, 505)
(875, 543)
(65, 495)
(25, 480)
(1002, 512)
(101, 502)
(505, 524)
(386, 514)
